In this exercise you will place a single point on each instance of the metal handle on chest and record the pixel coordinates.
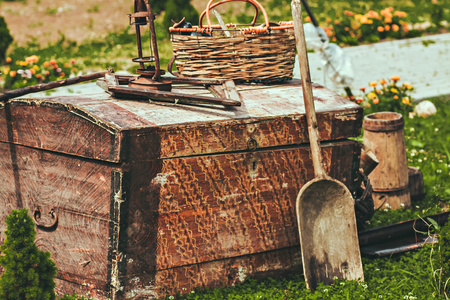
(39, 224)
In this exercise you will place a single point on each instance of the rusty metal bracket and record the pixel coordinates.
(39, 224)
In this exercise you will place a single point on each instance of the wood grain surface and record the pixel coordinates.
(160, 197)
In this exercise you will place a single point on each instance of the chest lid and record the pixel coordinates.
(100, 127)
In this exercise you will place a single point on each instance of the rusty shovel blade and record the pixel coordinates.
(328, 233)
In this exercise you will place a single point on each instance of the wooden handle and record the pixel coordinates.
(50, 85)
(311, 118)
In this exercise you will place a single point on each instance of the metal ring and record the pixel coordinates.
(39, 224)
(252, 144)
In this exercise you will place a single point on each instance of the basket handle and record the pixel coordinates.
(210, 6)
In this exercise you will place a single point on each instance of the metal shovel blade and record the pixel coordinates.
(328, 234)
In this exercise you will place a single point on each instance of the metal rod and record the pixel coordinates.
(153, 45)
(50, 85)
(165, 96)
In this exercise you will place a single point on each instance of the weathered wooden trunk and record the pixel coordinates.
(154, 198)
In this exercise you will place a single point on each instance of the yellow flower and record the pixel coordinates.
(366, 20)
(383, 82)
(373, 84)
(394, 90)
(371, 95)
(405, 100)
(358, 17)
(6, 70)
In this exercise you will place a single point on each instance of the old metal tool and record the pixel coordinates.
(50, 85)
(325, 206)
(150, 75)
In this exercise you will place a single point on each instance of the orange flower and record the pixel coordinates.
(32, 71)
(383, 82)
(407, 86)
(395, 78)
(395, 27)
(72, 61)
(336, 22)
(373, 84)
(387, 12)
(376, 101)
(363, 89)
(349, 13)
(307, 19)
(13, 73)
(380, 28)
(395, 97)
(31, 59)
(373, 14)
(62, 74)
(347, 28)
(8, 60)
(400, 14)
(46, 64)
(359, 100)
(387, 27)
(52, 62)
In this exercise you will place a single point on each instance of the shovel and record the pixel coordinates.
(325, 206)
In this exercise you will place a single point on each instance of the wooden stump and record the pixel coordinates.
(383, 133)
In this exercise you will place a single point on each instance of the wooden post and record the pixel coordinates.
(383, 133)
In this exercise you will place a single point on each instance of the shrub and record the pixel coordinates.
(28, 272)
(30, 71)
(176, 10)
(387, 96)
(5, 39)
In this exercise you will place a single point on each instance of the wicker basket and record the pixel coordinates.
(263, 53)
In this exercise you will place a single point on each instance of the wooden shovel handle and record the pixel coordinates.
(311, 118)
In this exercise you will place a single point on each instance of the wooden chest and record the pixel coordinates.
(156, 198)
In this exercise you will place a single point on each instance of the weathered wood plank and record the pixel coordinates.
(190, 210)
(78, 190)
(220, 273)
(60, 128)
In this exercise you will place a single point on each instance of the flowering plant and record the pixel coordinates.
(387, 96)
(352, 28)
(30, 72)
